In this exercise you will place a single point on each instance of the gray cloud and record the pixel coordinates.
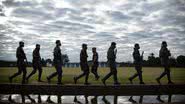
(95, 22)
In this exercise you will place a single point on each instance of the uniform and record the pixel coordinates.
(111, 56)
(84, 66)
(57, 63)
(95, 65)
(36, 64)
(138, 66)
(164, 54)
(21, 64)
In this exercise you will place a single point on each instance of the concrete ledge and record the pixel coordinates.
(124, 90)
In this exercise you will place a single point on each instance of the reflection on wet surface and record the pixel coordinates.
(84, 99)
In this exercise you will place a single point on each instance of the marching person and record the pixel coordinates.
(95, 63)
(84, 65)
(36, 63)
(138, 64)
(164, 55)
(111, 56)
(21, 63)
(57, 63)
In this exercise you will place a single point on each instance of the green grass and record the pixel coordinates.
(149, 75)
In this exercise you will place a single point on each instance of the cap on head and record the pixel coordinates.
(136, 45)
(21, 42)
(113, 44)
(57, 41)
(84, 45)
(164, 43)
(37, 45)
(94, 48)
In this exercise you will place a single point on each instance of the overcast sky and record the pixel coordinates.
(95, 22)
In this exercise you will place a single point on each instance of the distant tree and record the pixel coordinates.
(157, 61)
(173, 61)
(48, 61)
(151, 60)
(43, 62)
(181, 60)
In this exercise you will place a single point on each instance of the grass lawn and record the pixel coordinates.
(149, 75)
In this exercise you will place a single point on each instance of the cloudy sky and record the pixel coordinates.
(95, 22)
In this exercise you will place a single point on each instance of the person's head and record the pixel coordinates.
(38, 46)
(113, 45)
(164, 44)
(58, 43)
(21, 44)
(94, 49)
(84, 46)
(136, 46)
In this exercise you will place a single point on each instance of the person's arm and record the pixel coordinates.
(161, 53)
(136, 56)
(36, 54)
(82, 57)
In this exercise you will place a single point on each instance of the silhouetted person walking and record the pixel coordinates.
(36, 63)
(21, 62)
(57, 63)
(164, 55)
(84, 65)
(95, 63)
(138, 64)
(111, 56)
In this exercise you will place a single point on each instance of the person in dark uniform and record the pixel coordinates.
(84, 65)
(138, 64)
(111, 56)
(57, 63)
(21, 63)
(36, 63)
(95, 63)
(164, 55)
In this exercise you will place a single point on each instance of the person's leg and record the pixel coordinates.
(86, 77)
(16, 74)
(33, 72)
(59, 71)
(133, 76)
(52, 75)
(139, 71)
(107, 76)
(115, 77)
(167, 70)
(114, 71)
(24, 74)
(81, 75)
(86, 74)
(40, 72)
(161, 76)
(94, 71)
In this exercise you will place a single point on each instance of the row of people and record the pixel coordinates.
(164, 55)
